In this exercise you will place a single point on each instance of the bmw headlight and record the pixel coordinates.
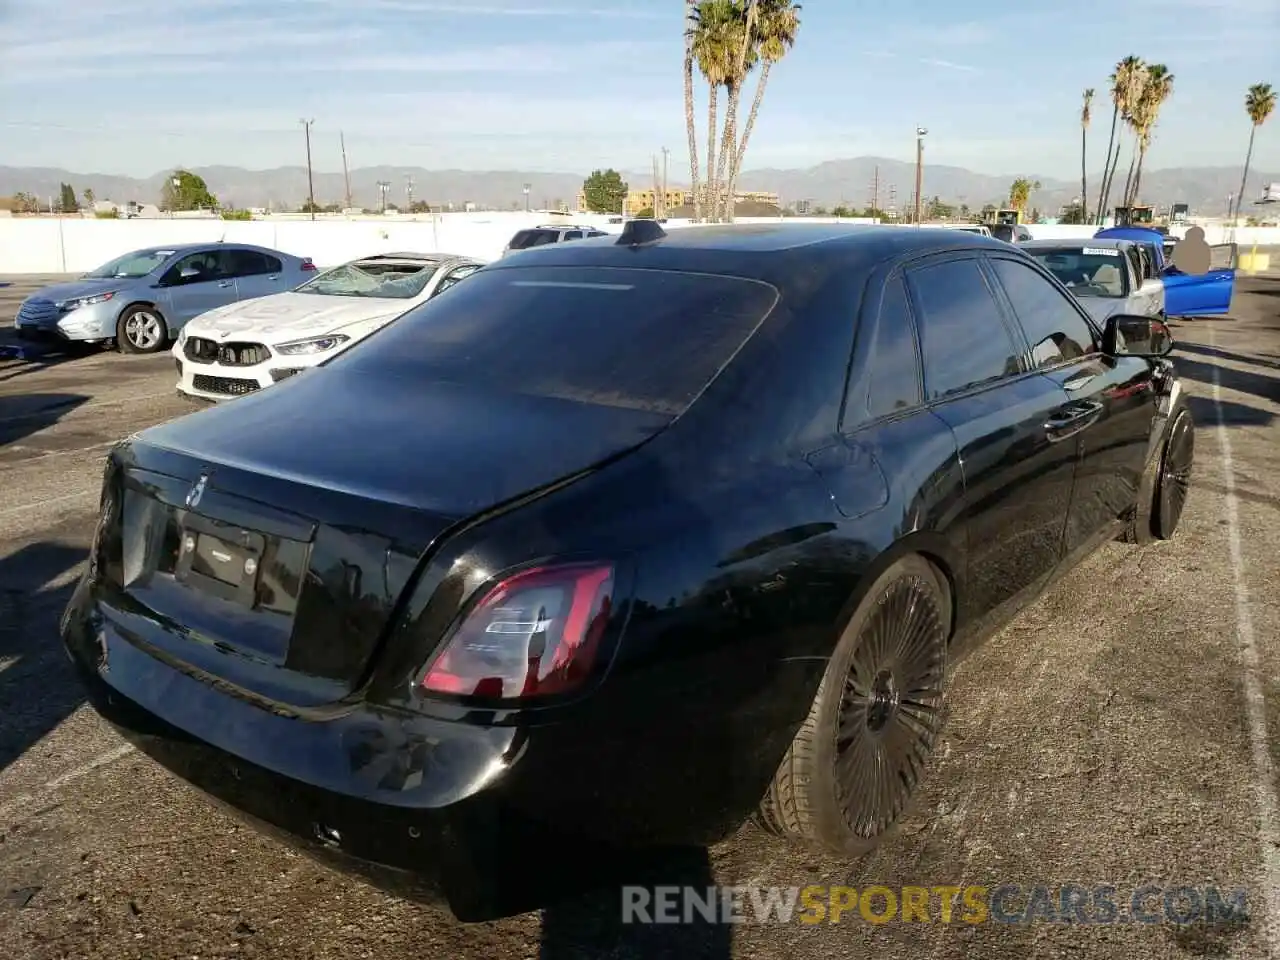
(66, 306)
(312, 345)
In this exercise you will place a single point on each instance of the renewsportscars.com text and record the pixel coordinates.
(972, 904)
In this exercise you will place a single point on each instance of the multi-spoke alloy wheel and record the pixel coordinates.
(863, 749)
(1175, 474)
(891, 708)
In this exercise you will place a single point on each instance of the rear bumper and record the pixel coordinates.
(490, 820)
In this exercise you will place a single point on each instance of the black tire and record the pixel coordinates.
(141, 329)
(859, 755)
(1162, 494)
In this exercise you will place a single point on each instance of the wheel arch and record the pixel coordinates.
(150, 304)
(935, 548)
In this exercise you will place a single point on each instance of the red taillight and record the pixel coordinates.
(535, 633)
(307, 265)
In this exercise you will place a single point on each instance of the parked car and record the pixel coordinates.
(1185, 294)
(245, 347)
(1107, 276)
(549, 233)
(143, 299)
(508, 582)
(1010, 232)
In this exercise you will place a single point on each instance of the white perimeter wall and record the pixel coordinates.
(58, 245)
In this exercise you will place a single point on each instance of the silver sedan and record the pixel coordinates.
(1107, 276)
(142, 299)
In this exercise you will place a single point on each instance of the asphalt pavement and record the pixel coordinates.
(1121, 732)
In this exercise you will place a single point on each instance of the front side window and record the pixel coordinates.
(202, 267)
(1053, 325)
(963, 339)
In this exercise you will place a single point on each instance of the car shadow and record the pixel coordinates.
(24, 414)
(1200, 348)
(625, 919)
(37, 687)
(1205, 411)
(1265, 386)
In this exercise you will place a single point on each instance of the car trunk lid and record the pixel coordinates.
(268, 549)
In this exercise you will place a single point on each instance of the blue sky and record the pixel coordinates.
(136, 86)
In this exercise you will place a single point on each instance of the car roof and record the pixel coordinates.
(1118, 243)
(1139, 234)
(789, 256)
(411, 257)
(177, 248)
(768, 252)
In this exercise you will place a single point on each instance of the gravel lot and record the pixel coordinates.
(1122, 731)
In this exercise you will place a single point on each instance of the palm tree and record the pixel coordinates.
(777, 22)
(1156, 89)
(1085, 115)
(713, 31)
(1259, 102)
(743, 56)
(1020, 192)
(690, 24)
(1124, 89)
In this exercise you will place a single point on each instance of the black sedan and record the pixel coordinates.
(618, 544)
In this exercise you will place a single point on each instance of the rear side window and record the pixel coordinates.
(643, 339)
(533, 238)
(1053, 326)
(250, 263)
(962, 337)
(893, 371)
(573, 235)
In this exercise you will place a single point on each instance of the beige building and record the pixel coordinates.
(638, 200)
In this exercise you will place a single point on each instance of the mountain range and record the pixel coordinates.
(850, 182)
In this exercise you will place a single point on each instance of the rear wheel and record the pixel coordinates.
(141, 329)
(863, 749)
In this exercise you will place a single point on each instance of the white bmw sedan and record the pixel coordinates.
(248, 346)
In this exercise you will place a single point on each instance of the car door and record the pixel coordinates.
(257, 274)
(1018, 461)
(196, 283)
(1147, 297)
(1112, 400)
(1206, 294)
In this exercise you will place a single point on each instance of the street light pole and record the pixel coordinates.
(311, 190)
(920, 135)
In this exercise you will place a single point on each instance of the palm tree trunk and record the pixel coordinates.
(693, 136)
(1137, 173)
(750, 125)
(712, 127)
(1084, 173)
(1114, 163)
(1128, 181)
(727, 144)
(1106, 166)
(1244, 177)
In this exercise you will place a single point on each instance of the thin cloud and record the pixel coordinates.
(949, 65)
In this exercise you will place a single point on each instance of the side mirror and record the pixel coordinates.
(1126, 335)
(188, 273)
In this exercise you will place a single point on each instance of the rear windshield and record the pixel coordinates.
(533, 238)
(642, 339)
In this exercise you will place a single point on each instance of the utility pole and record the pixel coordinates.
(893, 201)
(875, 189)
(920, 135)
(383, 187)
(346, 177)
(408, 192)
(311, 190)
(665, 154)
